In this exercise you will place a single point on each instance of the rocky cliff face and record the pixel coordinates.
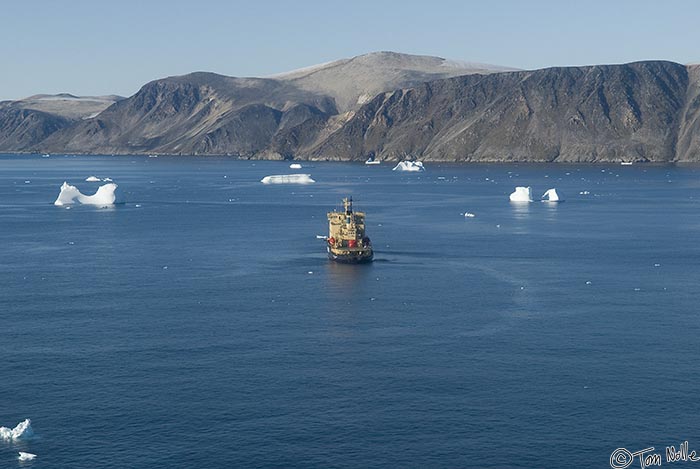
(21, 129)
(688, 145)
(645, 111)
(601, 113)
(201, 113)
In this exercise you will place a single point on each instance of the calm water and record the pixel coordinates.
(199, 323)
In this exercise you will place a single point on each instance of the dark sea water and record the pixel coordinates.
(199, 324)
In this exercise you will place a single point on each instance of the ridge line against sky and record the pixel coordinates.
(93, 48)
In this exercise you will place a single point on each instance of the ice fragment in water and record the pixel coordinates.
(288, 179)
(93, 179)
(70, 195)
(409, 166)
(23, 430)
(552, 196)
(26, 456)
(521, 194)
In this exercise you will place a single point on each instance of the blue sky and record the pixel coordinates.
(96, 47)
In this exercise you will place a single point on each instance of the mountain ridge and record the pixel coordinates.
(392, 106)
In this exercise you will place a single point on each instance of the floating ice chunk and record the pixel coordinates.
(70, 195)
(320, 237)
(23, 430)
(469, 215)
(409, 166)
(552, 196)
(584, 193)
(26, 456)
(295, 166)
(93, 179)
(107, 179)
(521, 194)
(288, 179)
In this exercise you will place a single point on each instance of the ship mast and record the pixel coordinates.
(347, 203)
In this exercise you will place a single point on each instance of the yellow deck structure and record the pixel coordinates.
(347, 240)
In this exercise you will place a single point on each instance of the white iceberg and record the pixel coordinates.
(295, 166)
(93, 179)
(409, 166)
(552, 196)
(70, 195)
(26, 456)
(110, 179)
(521, 194)
(288, 179)
(372, 161)
(23, 430)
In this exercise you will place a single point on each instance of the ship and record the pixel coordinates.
(347, 241)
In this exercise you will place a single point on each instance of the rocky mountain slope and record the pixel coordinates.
(25, 122)
(601, 113)
(353, 82)
(392, 106)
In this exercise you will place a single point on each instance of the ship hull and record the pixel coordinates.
(359, 257)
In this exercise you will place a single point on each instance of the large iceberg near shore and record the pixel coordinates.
(521, 194)
(23, 430)
(552, 196)
(70, 195)
(409, 166)
(288, 179)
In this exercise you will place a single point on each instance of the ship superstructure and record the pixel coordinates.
(347, 240)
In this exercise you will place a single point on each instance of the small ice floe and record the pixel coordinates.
(521, 194)
(584, 193)
(320, 237)
(70, 195)
(626, 163)
(288, 179)
(107, 179)
(552, 196)
(92, 179)
(26, 456)
(27, 182)
(22, 431)
(469, 215)
(409, 166)
(295, 166)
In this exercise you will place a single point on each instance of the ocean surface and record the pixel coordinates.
(199, 324)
